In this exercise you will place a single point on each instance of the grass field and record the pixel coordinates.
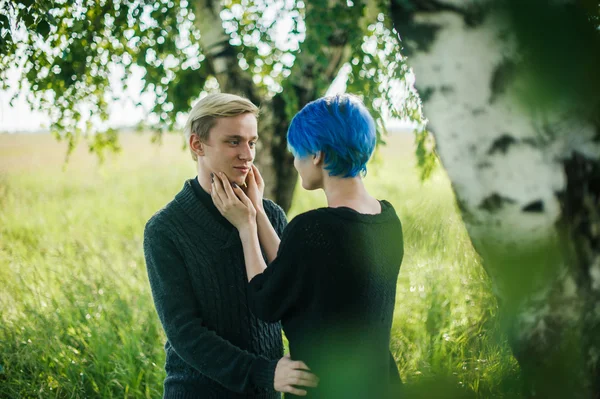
(76, 314)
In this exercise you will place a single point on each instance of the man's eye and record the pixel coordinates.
(252, 143)
(234, 142)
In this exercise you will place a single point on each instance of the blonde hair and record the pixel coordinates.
(204, 114)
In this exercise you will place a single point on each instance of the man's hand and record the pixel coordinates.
(291, 373)
(255, 188)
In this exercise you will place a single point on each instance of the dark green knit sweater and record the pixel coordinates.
(216, 347)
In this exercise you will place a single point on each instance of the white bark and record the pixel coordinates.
(520, 168)
(213, 39)
(505, 168)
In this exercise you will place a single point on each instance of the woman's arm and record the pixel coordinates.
(276, 289)
(269, 240)
(255, 264)
(236, 207)
(267, 235)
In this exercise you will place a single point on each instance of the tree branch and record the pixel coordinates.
(219, 53)
(309, 68)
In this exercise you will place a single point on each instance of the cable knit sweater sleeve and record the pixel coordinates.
(173, 295)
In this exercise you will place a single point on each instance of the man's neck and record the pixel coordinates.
(204, 179)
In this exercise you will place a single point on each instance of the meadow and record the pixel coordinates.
(76, 313)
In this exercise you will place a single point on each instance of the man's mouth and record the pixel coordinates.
(242, 168)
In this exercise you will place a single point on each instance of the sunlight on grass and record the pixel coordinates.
(76, 314)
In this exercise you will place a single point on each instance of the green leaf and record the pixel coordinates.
(43, 28)
(28, 19)
(4, 22)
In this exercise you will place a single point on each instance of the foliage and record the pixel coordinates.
(67, 51)
(381, 51)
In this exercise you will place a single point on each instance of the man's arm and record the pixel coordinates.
(203, 349)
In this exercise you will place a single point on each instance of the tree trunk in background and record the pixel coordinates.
(525, 169)
(309, 79)
(273, 159)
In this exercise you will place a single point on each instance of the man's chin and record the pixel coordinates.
(235, 177)
(238, 177)
(240, 181)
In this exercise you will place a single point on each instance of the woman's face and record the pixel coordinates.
(310, 172)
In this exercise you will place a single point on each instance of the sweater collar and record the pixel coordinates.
(202, 216)
(208, 203)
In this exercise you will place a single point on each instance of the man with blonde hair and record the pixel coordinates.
(216, 347)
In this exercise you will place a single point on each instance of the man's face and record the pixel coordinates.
(230, 147)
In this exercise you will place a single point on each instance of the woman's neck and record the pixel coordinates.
(349, 192)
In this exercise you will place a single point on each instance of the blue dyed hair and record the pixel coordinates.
(341, 128)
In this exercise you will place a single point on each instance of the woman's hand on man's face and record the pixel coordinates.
(255, 188)
(232, 202)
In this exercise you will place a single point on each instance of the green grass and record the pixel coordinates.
(76, 314)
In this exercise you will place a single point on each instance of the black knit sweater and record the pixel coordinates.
(333, 286)
(216, 348)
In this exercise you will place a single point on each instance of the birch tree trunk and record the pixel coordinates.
(524, 163)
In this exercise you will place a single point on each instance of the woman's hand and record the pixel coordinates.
(255, 188)
(232, 202)
(291, 376)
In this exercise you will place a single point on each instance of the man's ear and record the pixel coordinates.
(318, 158)
(196, 145)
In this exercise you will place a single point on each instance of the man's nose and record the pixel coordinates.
(246, 152)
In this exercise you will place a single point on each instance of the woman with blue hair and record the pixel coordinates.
(331, 279)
